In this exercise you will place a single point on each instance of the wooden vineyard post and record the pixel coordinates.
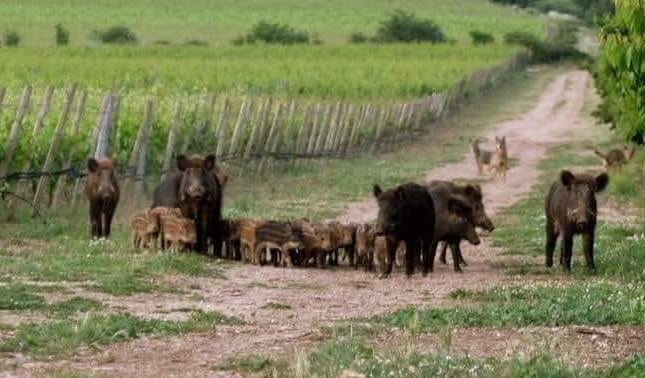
(113, 121)
(314, 130)
(349, 124)
(301, 142)
(53, 148)
(256, 134)
(3, 91)
(135, 170)
(62, 180)
(170, 144)
(241, 120)
(14, 134)
(222, 129)
(103, 133)
(189, 132)
(333, 128)
(323, 131)
(379, 130)
(272, 139)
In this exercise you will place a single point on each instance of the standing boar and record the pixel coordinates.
(179, 233)
(102, 191)
(406, 213)
(158, 214)
(196, 190)
(472, 195)
(571, 209)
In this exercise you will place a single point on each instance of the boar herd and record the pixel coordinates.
(413, 220)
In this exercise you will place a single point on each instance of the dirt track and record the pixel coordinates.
(321, 297)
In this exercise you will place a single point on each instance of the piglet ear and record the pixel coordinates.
(601, 182)
(567, 178)
(92, 165)
(377, 190)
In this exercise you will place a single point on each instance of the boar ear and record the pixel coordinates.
(601, 182)
(400, 194)
(92, 165)
(182, 162)
(377, 190)
(473, 190)
(223, 179)
(209, 162)
(567, 178)
(458, 206)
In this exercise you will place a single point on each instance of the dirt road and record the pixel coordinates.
(317, 298)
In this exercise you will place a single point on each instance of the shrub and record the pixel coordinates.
(161, 42)
(11, 38)
(273, 33)
(358, 37)
(196, 42)
(116, 35)
(481, 38)
(406, 27)
(62, 35)
(561, 47)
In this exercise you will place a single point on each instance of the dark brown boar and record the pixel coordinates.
(102, 191)
(455, 222)
(196, 190)
(470, 194)
(571, 209)
(406, 213)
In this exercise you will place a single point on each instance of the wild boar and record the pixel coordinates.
(102, 191)
(145, 228)
(364, 247)
(571, 209)
(406, 213)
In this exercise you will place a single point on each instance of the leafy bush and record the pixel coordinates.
(406, 27)
(273, 33)
(589, 10)
(196, 42)
(161, 42)
(11, 38)
(115, 35)
(358, 37)
(561, 47)
(481, 38)
(62, 35)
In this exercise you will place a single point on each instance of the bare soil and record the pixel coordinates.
(317, 298)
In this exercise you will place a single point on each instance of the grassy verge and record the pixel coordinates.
(65, 337)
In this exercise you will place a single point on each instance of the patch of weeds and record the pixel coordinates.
(74, 305)
(65, 337)
(20, 297)
(276, 306)
(254, 363)
(579, 304)
(64, 373)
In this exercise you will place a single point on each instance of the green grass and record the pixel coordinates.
(276, 306)
(356, 355)
(254, 363)
(95, 330)
(219, 21)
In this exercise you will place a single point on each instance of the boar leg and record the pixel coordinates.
(567, 250)
(442, 252)
(456, 253)
(107, 224)
(429, 250)
(95, 219)
(551, 238)
(411, 256)
(587, 242)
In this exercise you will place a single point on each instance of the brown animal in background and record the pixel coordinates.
(231, 231)
(496, 161)
(179, 233)
(316, 240)
(278, 237)
(364, 248)
(102, 191)
(246, 230)
(145, 228)
(616, 158)
(342, 237)
(571, 209)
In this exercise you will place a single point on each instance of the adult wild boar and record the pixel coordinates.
(102, 191)
(406, 213)
(571, 209)
(196, 190)
(455, 222)
(471, 194)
